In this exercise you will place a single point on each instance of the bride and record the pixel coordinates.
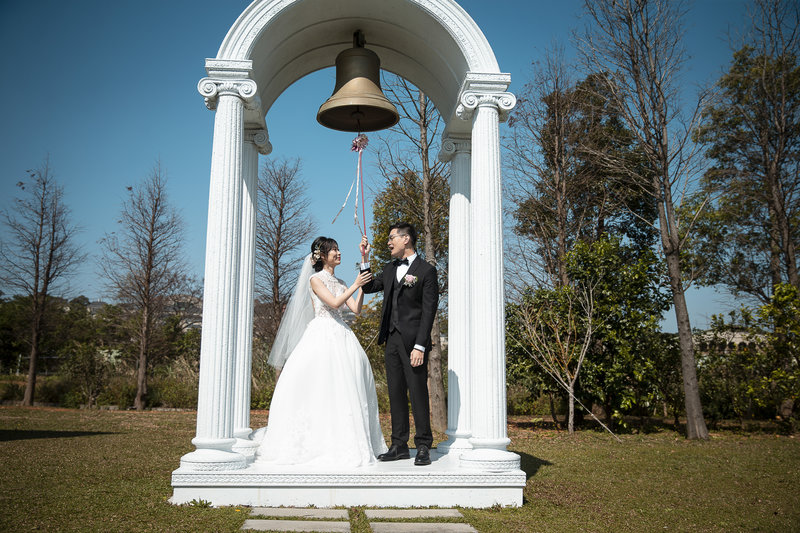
(324, 410)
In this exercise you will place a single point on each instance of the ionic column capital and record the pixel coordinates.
(454, 145)
(213, 88)
(228, 77)
(470, 101)
(259, 137)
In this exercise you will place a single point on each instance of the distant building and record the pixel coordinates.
(95, 307)
(189, 308)
(725, 340)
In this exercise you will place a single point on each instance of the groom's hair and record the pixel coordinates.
(407, 229)
(322, 245)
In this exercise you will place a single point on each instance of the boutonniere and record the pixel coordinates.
(409, 280)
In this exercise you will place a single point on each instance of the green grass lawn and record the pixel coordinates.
(68, 470)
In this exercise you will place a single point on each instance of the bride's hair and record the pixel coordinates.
(319, 249)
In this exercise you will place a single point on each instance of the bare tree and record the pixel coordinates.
(543, 172)
(557, 326)
(144, 264)
(284, 224)
(414, 157)
(636, 45)
(38, 252)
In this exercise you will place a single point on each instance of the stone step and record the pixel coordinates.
(378, 514)
(322, 526)
(420, 527)
(297, 512)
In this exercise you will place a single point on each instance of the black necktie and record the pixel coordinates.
(398, 262)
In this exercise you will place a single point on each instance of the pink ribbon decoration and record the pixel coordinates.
(358, 145)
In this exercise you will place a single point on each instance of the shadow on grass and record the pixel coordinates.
(23, 434)
(530, 464)
(632, 425)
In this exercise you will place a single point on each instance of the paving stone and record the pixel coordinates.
(412, 513)
(297, 525)
(419, 527)
(297, 512)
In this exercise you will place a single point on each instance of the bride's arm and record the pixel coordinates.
(355, 303)
(336, 302)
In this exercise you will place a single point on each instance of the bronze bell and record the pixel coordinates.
(357, 103)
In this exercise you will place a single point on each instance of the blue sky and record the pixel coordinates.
(107, 88)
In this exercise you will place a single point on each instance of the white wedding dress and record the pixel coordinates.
(325, 409)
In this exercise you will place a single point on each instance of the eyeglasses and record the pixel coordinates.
(393, 237)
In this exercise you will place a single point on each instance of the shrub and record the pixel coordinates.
(519, 400)
(171, 391)
(73, 399)
(263, 385)
(383, 396)
(52, 389)
(175, 385)
(120, 391)
(12, 391)
(88, 370)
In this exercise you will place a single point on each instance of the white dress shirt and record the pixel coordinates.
(402, 269)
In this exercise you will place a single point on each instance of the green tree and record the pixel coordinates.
(622, 366)
(664, 353)
(13, 331)
(88, 368)
(748, 236)
(758, 376)
(728, 370)
(778, 384)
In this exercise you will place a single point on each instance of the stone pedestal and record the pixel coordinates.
(444, 483)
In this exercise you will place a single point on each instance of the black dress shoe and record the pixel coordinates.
(423, 457)
(395, 453)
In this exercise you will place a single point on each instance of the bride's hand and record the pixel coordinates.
(363, 278)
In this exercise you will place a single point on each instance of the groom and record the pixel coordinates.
(410, 299)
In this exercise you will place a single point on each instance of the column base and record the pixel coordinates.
(247, 448)
(456, 442)
(490, 460)
(210, 460)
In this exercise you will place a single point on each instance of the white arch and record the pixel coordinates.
(433, 44)
(438, 47)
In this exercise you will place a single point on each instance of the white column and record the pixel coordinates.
(255, 141)
(457, 150)
(225, 90)
(487, 312)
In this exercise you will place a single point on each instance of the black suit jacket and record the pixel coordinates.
(416, 304)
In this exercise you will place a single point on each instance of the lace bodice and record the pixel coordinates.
(337, 288)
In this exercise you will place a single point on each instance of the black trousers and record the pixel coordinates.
(402, 378)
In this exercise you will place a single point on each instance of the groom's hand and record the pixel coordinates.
(417, 357)
(365, 248)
